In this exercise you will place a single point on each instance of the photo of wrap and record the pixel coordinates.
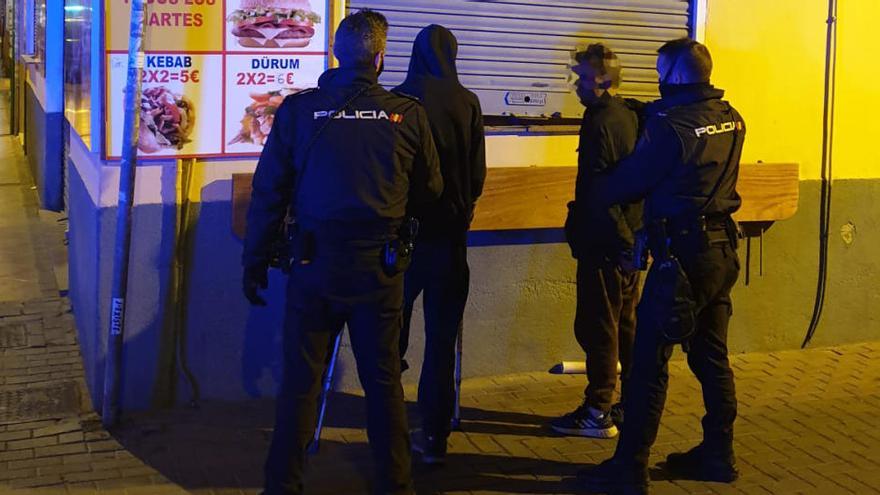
(259, 115)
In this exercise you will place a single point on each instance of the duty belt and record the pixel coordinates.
(348, 229)
(684, 225)
(665, 236)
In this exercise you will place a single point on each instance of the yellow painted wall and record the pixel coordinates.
(530, 151)
(770, 57)
(857, 126)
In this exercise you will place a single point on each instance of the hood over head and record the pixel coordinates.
(434, 52)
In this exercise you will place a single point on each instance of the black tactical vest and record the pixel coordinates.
(703, 182)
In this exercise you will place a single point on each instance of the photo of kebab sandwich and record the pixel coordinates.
(274, 23)
(259, 115)
(167, 119)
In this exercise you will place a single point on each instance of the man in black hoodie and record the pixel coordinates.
(439, 268)
(602, 242)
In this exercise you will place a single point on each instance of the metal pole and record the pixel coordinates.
(112, 364)
(459, 345)
(325, 393)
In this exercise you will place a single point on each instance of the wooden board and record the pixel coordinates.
(770, 191)
(517, 198)
(525, 198)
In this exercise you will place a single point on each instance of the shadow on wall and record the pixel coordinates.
(91, 248)
(234, 348)
(519, 313)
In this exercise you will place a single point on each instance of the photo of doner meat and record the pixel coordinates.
(259, 115)
(167, 120)
(274, 23)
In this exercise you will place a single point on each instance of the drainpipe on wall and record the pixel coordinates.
(827, 150)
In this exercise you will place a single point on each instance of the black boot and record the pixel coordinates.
(431, 447)
(615, 477)
(702, 463)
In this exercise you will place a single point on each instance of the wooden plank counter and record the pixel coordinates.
(518, 198)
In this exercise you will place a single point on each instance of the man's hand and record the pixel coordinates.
(254, 279)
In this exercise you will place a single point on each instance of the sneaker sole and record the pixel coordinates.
(587, 432)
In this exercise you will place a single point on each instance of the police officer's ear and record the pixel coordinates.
(379, 62)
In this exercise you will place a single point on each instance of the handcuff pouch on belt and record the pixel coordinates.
(397, 253)
(291, 246)
(669, 290)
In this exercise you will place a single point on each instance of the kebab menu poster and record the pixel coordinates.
(214, 72)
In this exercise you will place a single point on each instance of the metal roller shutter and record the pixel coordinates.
(515, 54)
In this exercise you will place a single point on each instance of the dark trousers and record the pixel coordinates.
(712, 273)
(345, 286)
(440, 272)
(605, 326)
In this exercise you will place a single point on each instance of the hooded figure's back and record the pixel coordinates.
(457, 125)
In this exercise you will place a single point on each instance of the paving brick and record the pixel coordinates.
(58, 428)
(29, 425)
(15, 455)
(138, 471)
(34, 463)
(82, 488)
(72, 437)
(91, 476)
(92, 436)
(74, 448)
(32, 443)
(118, 464)
(7, 475)
(111, 485)
(14, 435)
(36, 481)
(64, 469)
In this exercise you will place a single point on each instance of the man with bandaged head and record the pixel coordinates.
(602, 241)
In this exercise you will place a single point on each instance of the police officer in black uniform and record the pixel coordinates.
(348, 159)
(685, 166)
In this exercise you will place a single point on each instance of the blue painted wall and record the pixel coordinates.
(148, 353)
(84, 260)
(44, 146)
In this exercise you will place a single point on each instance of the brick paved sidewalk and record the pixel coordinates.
(48, 438)
(49, 441)
(807, 425)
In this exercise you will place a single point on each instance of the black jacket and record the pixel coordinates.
(692, 141)
(367, 166)
(457, 126)
(609, 131)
